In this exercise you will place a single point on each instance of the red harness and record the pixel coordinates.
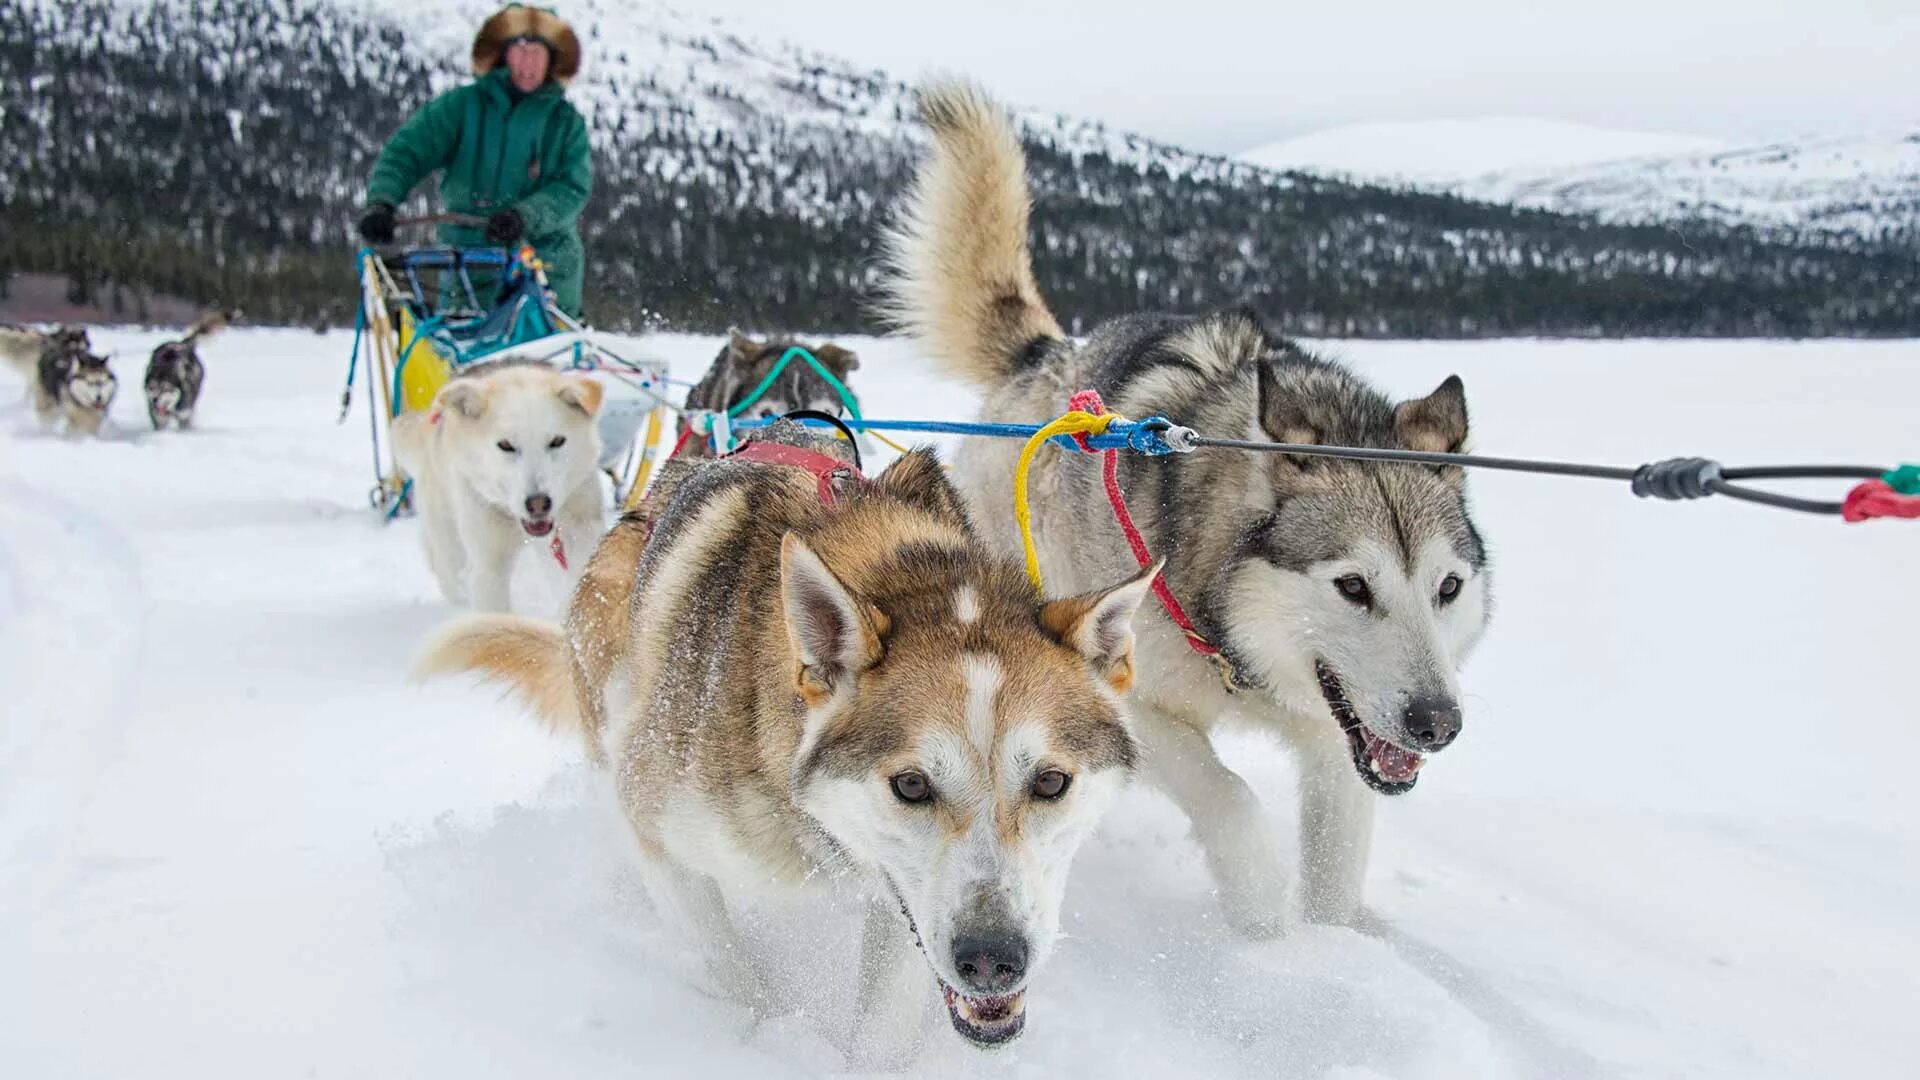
(825, 469)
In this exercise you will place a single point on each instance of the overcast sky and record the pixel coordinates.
(1222, 75)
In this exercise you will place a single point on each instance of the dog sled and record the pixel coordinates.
(428, 312)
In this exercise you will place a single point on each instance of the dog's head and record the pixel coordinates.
(1360, 588)
(744, 363)
(69, 341)
(523, 438)
(961, 742)
(90, 382)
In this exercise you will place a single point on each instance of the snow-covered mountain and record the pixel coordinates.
(1863, 185)
(1835, 186)
(1446, 152)
(216, 150)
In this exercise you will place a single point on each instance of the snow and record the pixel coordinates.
(1442, 152)
(1675, 839)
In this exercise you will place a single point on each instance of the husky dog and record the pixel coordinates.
(1342, 596)
(71, 380)
(787, 692)
(508, 451)
(174, 375)
(744, 363)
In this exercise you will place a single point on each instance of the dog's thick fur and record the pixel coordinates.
(175, 374)
(744, 363)
(767, 681)
(1345, 595)
(64, 376)
(508, 451)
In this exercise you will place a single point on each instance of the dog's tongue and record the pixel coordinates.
(1392, 762)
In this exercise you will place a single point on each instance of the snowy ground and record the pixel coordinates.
(1677, 838)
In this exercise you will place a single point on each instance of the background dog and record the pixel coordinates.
(743, 363)
(64, 376)
(1344, 596)
(507, 452)
(175, 374)
(783, 691)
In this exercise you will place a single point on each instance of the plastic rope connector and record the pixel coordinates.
(1677, 478)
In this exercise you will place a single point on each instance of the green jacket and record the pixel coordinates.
(532, 156)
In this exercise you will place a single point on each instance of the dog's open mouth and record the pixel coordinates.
(540, 527)
(1386, 767)
(986, 1021)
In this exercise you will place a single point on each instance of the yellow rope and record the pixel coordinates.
(1073, 423)
(896, 446)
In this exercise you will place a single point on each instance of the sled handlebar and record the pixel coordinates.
(428, 220)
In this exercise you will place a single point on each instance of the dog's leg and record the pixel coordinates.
(440, 535)
(895, 990)
(490, 543)
(1336, 831)
(1233, 835)
(692, 902)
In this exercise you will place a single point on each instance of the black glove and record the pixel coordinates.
(376, 225)
(505, 227)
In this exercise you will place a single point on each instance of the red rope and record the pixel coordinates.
(1089, 401)
(686, 436)
(1878, 499)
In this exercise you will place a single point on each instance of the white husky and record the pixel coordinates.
(507, 452)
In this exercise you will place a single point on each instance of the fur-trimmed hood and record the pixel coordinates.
(516, 19)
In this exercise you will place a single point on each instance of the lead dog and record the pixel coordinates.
(1342, 596)
(783, 692)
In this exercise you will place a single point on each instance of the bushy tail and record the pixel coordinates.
(412, 433)
(20, 349)
(208, 325)
(961, 274)
(527, 656)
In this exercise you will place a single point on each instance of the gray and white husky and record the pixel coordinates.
(1343, 597)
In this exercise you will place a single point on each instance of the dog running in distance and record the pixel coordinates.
(508, 452)
(1342, 596)
(745, 362)
(65, 378)
(175, 374)
(784, 691)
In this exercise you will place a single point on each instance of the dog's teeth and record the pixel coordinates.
(1377, 767)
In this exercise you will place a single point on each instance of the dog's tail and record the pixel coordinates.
(412, 432)
(208, 325)
(20, 348)
(527, 656)
(961, 271)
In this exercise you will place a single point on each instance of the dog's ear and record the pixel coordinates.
(1099, 625)
(582, 393)
(464, 396)
(838, 360)
(739, 344)
(833, 634)
(1283, 416)
(1436, 423)
(917, 478)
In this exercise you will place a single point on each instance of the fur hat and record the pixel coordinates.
(518, 20)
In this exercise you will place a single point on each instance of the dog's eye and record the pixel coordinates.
(1354, 588)
(506, 446)
(1051, 784)
(1450, 588)
(556, 442)
(912, 787)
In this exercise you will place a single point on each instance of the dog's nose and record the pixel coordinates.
(990, 964)
(1432, 723)
(539, 505)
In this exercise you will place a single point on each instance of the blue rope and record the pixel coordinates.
(1148, 436)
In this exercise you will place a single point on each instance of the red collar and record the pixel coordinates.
(825, 469)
